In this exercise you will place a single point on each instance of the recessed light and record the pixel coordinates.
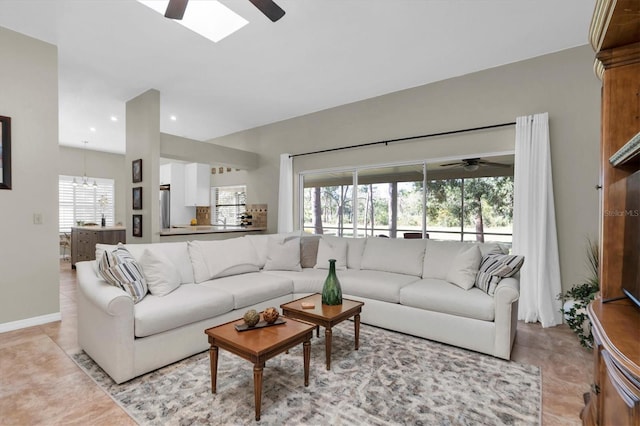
(114, 118)
(93, 129)
(173, 118)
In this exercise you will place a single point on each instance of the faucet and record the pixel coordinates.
(223, 221)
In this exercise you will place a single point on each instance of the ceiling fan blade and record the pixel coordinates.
(175, 9)
(490, 163)
(269, 8)
(452, 164)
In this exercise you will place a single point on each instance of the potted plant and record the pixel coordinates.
(579, 296)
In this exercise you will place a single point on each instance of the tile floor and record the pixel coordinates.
(41, 385)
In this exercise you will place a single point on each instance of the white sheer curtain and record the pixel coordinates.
(534, 223)
(285, 194)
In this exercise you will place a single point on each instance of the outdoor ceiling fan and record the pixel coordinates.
(473, 164)
(176, 9)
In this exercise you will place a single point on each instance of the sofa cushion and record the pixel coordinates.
(378, 285)
(355, 249)
(213, 259)
(309, 280)
(283, 253)
(441, 296)
(161, 274)
(439, 256)
(120, 269)
(394, 255)
(187, 304)
(177, 252)
(309, 251)
(249, 289)
(495, 267)
(332, 248)
(464, 267)
(261, 244)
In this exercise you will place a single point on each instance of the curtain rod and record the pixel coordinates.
(386, 142)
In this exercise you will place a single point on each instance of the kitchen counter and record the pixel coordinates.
(207, 229)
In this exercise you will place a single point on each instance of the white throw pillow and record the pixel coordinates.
(464, 268)
(160, 272)
(120, 269)
(355, 249)
(394, 255)
(214, 259)
(283, 254)
(259, 242)
(332, 248)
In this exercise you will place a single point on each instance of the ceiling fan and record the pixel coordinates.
(176, 9)
(473, 164)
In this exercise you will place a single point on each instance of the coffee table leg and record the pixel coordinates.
(213, 359)
(356, 323)
(317, 331)
(327, 343)
(307, 357)
(257, 387)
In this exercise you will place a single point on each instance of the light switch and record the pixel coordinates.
(37, 218)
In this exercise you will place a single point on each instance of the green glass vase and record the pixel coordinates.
(331, 291)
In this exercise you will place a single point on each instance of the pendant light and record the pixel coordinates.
(85, 181)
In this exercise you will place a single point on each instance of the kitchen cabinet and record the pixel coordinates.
(165, 174)
(197, 184)
(85, 238)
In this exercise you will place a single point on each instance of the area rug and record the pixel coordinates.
(392, 379)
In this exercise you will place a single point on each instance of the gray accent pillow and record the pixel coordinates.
(309, 251)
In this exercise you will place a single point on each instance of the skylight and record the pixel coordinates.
(210, 18)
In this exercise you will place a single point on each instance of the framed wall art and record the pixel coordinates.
(137, 225)
(137, 198)
(136, 170)
(5, 152)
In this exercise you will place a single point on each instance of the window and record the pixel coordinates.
(443, 200)
(229, 204)
(77, 203)
(471, 209)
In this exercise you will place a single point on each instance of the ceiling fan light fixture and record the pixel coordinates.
(471, 167)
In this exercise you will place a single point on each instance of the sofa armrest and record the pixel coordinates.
(107, 298)
(506, 315)
(105, 323)
(507, 291)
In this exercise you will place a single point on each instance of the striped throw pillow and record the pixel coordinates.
(120, 269)
(495, 267)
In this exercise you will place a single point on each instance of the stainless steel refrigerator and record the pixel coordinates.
(165, 206)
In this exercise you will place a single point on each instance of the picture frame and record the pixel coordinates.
(137, 225)
(5, 152)
(136, 170)
(136, 195)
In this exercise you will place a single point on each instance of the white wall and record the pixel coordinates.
(29, 263)
(143, 142)
(561, 83)
(101, 165)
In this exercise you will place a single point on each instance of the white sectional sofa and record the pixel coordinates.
(406, 286)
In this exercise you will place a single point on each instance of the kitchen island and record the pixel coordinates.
(206, 232)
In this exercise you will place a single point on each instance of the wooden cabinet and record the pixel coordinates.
(85, 238)
(615, 393)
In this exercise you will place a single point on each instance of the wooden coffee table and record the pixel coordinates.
(326, 316)
(257, 346)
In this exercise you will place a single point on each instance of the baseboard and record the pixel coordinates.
(30, 322)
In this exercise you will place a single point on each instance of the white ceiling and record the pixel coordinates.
(321, 54)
